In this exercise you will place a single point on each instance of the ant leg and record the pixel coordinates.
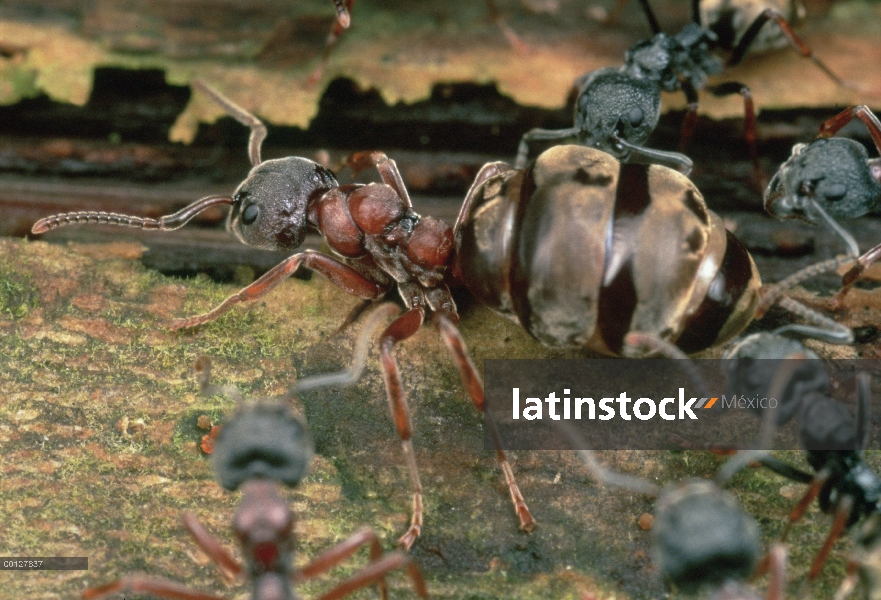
(341, 24)
(856, 272)
(771, 293)
(341, 275)
(342, 12)
(864, 410)
(210, 546)
(749, 120)
(650, 15)
(812, 492)
(861, 112)
(499, 21)
(333, 556)
(487, 171)
(534, 135)
(841, 515)
(164, 588)
(823, 328)
(258, 129)
(402, 328)
(770, 14)
(388, 171)
(375, 571)
(777, 580)
(474, 386)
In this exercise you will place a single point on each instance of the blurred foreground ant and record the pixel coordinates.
(262, 445)
(832, 439)
(704, 542)
(832, 177)
(617, 109)
(578, 249)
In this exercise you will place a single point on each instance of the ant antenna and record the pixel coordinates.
(166, 223)
(359, 358)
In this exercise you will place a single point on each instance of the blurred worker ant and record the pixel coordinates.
(704, 542)
(618, 108)
(832, 177)
(262, 445)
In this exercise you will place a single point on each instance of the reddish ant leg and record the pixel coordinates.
(402, 328)
(387, 168)
(375, 571)
(845, 506)
(343, 276)
(210, 546)
(164, 588)
(473, 384)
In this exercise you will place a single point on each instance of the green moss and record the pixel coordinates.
(18, 295)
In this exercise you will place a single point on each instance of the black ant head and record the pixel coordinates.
(752, 363)
(612, 105)
(269, 207)
(263, 440)
(832, 172)
(703, 537)
(826, 426)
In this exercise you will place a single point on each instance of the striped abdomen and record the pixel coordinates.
(580, 250)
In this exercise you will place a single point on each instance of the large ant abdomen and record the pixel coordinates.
(580, 250)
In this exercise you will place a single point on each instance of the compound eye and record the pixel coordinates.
(250, 214)
(635, 116)
(836, 191)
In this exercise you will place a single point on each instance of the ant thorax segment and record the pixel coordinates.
(373, 229)
(669, 60)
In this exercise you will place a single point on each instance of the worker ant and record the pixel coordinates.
(832, 177)
(262, 445)
(578, 249)
(704, 542)
(618, 108)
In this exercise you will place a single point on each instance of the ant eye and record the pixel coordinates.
(249, 215)
(635, 116)
(836, 191)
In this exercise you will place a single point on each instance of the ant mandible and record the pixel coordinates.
(618, 108)
(383, 244)
(832, 177)
(261, 446)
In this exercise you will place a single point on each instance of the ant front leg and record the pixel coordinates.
(474, 386)
(855, 272)
(690, 121)
(210, 546)
(341, 275)
(749, 121)
(374, 572)
(861, 112)
(343, 7)
(163, 588)
(402, 328)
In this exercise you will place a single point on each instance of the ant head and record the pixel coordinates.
(832, 172)
(269, 207)
(703, 537)
(263, 440)
(614, 105)
(752, 363)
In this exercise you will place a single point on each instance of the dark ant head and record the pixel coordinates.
(703, 537)
(612, 104)
(263, 440)
(269, 209)
(832, 172)
(752, 362)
